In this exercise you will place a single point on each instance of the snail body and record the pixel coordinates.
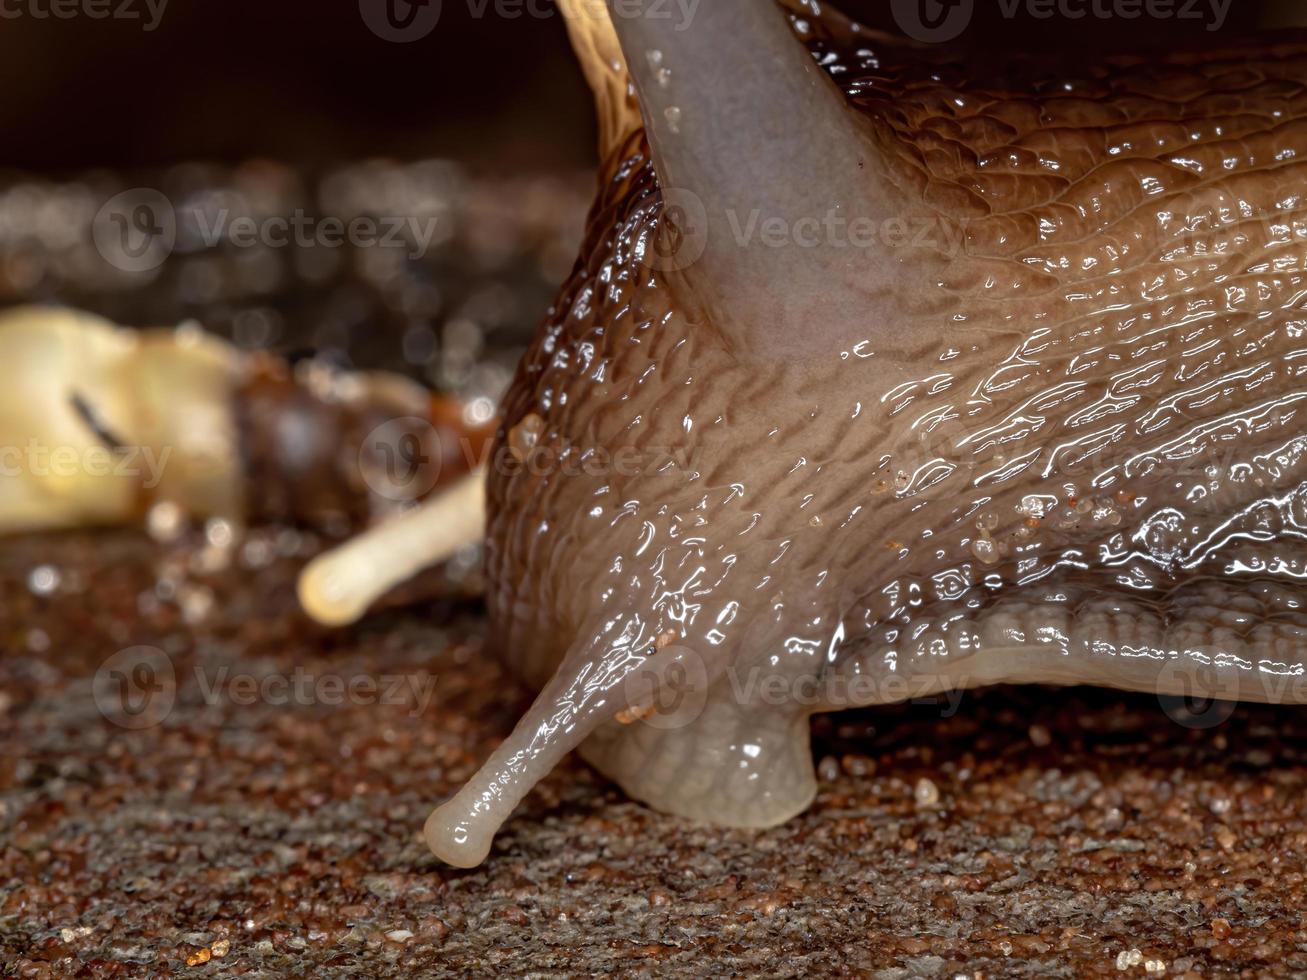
(1040, 422)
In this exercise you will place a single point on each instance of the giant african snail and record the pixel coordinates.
(1055, 438)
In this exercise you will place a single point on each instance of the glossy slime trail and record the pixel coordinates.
(876, 378)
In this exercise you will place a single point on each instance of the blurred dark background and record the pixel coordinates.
(479, 128)
(308, 83)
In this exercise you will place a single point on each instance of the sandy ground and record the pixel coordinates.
(244, 822)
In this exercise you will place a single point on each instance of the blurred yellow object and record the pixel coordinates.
(97, 423)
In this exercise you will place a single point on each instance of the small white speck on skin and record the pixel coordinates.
(985, 550)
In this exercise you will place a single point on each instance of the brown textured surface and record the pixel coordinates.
(1070, 826)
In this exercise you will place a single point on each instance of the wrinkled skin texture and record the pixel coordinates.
(1069, 449)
